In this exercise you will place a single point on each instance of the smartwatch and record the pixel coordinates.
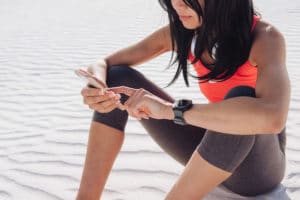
(179, 107)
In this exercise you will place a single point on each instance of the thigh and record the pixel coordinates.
(253, 160)
(178, 141)
(225, 151)
(263, 168)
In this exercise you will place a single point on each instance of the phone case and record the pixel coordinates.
(90, 78)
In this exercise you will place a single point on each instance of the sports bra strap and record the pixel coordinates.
(255, 20)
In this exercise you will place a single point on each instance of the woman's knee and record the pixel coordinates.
(123, 75)
(118, 75)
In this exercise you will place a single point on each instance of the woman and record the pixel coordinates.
(237, 139)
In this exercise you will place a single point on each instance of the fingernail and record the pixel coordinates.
(101, 91)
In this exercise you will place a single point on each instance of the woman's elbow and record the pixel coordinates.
(276, 121)
(278, 125)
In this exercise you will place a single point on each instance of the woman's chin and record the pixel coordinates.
(191, 26)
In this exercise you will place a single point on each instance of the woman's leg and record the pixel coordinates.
(103, 146)
(257, 162)
(254, 160)
(107, 134)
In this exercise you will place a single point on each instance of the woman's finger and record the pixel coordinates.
(89, 92)
(98, 98)
(131, 100)
(111, 107)
(142, 114)
(133, 115)
(102, 98)
(123, 89)
(104, 106)
(138, 100)
(134, 99)
(108, 103)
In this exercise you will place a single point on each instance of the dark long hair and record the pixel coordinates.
(226, 25)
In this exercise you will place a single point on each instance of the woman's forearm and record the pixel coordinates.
(127, 56)
(152, 46)
(240, 115)
(133, 55)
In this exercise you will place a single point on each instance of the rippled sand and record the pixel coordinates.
(43, 123)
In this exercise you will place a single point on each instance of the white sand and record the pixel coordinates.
(43, 123)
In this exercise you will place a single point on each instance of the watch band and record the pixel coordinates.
(179, 107)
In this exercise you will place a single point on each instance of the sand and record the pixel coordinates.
(44, 124)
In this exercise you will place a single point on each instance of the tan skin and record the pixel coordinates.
(265, 114)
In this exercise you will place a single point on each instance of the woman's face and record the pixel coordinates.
(187, 16)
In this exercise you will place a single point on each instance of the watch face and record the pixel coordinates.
(184, 104)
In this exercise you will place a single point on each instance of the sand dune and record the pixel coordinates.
(43, 123)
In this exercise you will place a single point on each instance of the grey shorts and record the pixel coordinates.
(255, 160)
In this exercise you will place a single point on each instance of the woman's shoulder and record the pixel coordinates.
(266, 37)
(266, 29)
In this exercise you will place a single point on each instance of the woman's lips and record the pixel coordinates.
(183, 18)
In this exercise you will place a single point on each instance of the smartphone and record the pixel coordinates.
(90, 79)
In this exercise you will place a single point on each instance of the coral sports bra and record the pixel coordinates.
(245, 75)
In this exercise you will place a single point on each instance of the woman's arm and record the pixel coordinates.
(265, 114)
(245, 115)
(155, 44)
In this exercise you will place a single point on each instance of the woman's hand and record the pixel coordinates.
(97, 99)
(101, 100)
(143, 104)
